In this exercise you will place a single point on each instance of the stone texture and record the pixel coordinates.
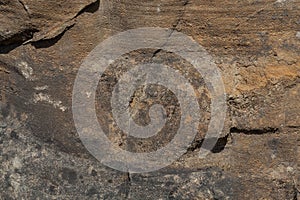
(256, 46)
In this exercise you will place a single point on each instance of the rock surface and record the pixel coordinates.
(256, 46)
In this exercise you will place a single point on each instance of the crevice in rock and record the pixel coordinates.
(186, 2)
(293, 127)
(16, 40)
(195, 145)
(4, 49)
(254, 131)
(91, 8)
(43, 41)
(24, 7)
(156, 52)
(177, 22)
(46, 43)
(181, 15)
(219, 146)
(128, 185)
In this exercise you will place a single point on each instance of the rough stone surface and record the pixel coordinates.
(256, 46)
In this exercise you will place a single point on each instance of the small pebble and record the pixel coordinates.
(289, 169)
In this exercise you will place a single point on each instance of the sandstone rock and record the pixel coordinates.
(256, 46)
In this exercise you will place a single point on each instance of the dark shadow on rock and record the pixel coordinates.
(4, 49)
(46, 43)
(16, 40)
(90, 8)
(49, 42)
(268, 130)
(218, 147)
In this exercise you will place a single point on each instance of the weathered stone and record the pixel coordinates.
(256, 46)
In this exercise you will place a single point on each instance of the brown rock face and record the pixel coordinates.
(255, 45)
